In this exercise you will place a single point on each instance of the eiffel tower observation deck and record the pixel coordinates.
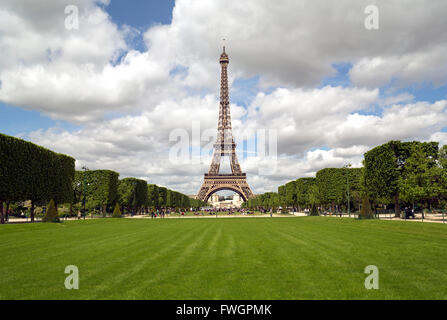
(224, 147)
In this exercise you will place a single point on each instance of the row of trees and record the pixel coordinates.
(101, 190)
(31, 172)
(412, 172)
(394, 173)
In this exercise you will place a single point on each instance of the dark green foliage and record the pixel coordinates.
(381, 171)
(303, 188)
(166, 198)
(100, 187)
(51, 213)
(332, 185)
(169, 202)
(133, 193)
(162, 195)
(62, 184)
(31, 172)
(282, 194)
(116, 211)
(290, 193)
(385, 164)
(421, 178)
(269, 200)
(152, 196)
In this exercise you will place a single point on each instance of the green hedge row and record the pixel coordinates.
(395, 172)
(31, 172)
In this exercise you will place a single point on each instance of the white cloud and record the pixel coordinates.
(296, 42)
(74, 74)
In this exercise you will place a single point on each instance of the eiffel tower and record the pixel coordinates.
(224, 146)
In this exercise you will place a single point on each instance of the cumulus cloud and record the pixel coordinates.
(76, 74)
(297, 42)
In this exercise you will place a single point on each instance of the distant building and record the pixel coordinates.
(225, 202)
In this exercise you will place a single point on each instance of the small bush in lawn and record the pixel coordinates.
(51, 214)
(314, 211)
(116, 211)
(366, 211)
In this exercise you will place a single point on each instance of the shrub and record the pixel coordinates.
(314, 211)
(116, 211)
(51, 214)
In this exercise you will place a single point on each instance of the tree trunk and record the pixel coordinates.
(2, 217)
(7, 212)
(104, 208)
(333, 207)
(71, 209)
(32, 211)
(374, 208)
(396, 205)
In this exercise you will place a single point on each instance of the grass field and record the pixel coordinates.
(233, 258)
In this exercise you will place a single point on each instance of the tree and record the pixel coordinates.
(31, 172)
(169, 202)
(133, 193)
(331, 185)
(384, 165)
(314, 195)
(420, 177)
(162, 194)
(303, 188)
(353, 184)
(282, 194)
(99, 186)
(365, 211)
(290, 193)
(152, 196)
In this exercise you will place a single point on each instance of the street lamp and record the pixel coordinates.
(347, 187)
(83, 188)
(134, 201)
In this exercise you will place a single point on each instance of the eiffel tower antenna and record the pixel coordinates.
(224, 146)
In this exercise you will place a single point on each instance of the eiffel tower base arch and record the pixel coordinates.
(214, 183)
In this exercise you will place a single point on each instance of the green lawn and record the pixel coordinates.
(231, 258)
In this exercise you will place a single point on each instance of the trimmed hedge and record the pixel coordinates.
(101, 187)
(132, 193)
(31, 172)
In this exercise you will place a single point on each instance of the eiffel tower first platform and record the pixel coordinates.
(224, 146)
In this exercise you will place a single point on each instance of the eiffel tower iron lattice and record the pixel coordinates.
(224, 146)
